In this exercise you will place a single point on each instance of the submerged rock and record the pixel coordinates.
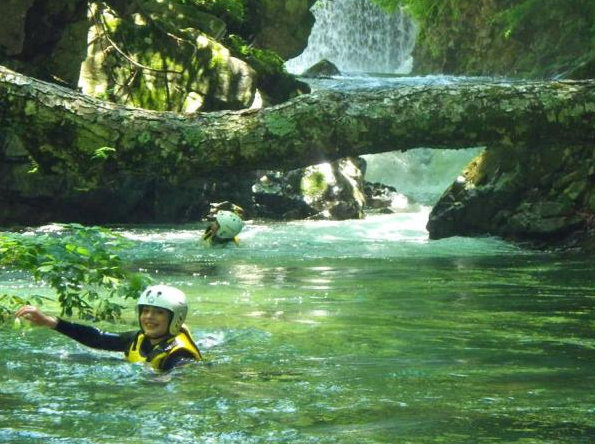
(324, 68)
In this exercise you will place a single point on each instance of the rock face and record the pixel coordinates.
(12, 33)
(517, 191)
(514, 38)
(539, 195)
(284, 26)
(44, 39)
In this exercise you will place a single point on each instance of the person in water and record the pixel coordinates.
(163, 341)
(224, 228)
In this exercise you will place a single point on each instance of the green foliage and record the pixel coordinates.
(10, 303)
(230, 9)
(103, 153)
(314, 184)
(512, 17)
(388, 5)
(80, 263)
(462, 36)
(265, 61)
(539, 14)
(512, 12)
(423, 9)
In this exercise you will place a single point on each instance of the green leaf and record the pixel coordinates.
(83, 251)
(45, 268)
(103, 152)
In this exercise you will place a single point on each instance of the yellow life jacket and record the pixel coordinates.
(161, 351)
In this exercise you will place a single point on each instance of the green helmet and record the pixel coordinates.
(230, 224)
(169, 298)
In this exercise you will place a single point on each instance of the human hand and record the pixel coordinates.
(36, 316)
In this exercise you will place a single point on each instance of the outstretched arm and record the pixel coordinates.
(86, 335)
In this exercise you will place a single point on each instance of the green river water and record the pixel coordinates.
(328, 332)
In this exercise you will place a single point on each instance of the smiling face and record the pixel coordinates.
(154, 321)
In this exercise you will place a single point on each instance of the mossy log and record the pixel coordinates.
(64, 131)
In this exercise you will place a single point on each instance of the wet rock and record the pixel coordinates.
(380, 196)
(322, 69)
(277, 195)
(325, 191)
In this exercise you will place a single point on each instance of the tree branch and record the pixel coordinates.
(49, 119)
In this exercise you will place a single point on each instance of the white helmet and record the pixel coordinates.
(230, 224)
(169, 298)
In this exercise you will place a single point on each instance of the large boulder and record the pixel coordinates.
(158, 54)
(325, 191)
(151, 64)
(522, 193)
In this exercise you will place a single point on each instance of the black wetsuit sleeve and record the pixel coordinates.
(95, 338)
(177, 359)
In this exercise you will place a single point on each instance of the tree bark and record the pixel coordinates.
(63, 130)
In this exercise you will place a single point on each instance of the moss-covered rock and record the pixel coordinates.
(157, 54)
(325, 191)
(152, 64)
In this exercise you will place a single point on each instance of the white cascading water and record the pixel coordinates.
(357, 36)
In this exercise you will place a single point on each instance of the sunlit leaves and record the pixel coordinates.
(80, 263)
(9, 303)
(103, 153)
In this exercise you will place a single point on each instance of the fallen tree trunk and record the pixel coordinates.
(67, 132)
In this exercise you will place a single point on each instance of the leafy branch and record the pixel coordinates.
(80, 263)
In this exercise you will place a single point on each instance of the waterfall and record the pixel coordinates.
(357, 36)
